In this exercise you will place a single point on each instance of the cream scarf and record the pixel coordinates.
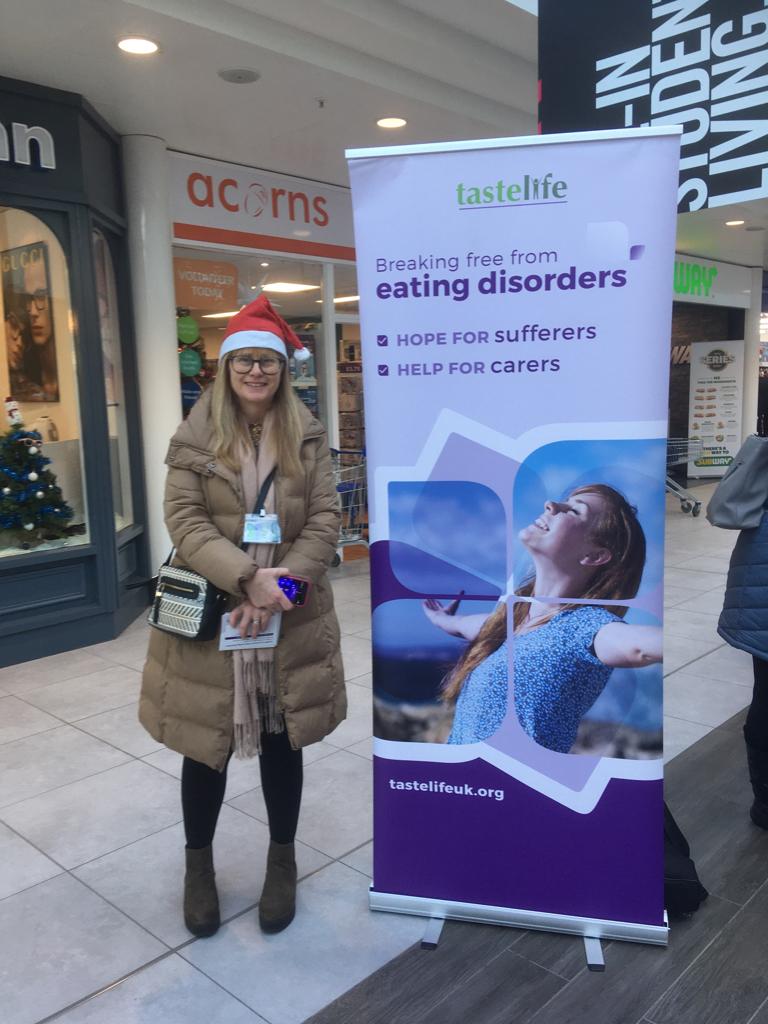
(256, 704)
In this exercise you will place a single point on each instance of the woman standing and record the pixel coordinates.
(589, 547)
(206, 703)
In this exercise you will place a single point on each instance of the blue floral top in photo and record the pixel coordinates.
(557, 678)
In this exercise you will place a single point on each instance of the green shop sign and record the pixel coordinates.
(190, 362)
(187, 330)
(694, 278)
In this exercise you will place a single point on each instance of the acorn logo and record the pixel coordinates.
(256, 199)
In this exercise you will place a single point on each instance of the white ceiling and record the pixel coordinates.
(363, 59)
(329, 68)
(705, 233)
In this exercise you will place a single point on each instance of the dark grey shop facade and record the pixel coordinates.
(63, 254)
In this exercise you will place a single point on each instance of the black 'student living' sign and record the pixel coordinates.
(702, 64)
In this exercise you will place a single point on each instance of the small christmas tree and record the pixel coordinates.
(32, 508)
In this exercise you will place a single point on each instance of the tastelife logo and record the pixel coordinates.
(529, 191)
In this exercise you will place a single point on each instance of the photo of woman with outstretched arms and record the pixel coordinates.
(587, 549)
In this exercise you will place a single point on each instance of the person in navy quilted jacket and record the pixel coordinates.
(744, 624)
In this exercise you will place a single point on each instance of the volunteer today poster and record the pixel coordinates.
(516, 304)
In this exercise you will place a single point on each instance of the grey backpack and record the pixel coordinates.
(740, 498)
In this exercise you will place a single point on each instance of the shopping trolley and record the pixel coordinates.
(681, 451)
(349, 474)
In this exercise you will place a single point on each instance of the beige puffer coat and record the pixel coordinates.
(187, 690)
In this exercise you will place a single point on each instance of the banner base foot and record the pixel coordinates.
(593, 950)
(432, 933)
(588, 927)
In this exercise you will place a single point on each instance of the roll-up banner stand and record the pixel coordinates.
(516, 299)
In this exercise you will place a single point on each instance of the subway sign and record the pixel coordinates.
(712, 284)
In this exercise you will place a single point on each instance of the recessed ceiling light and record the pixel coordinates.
(138, 46)
(391, 122)
(287, 287)
(734, 223)
(239, 76)
(219, 316)
(263, 264)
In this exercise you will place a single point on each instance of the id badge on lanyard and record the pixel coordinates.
(263, 528)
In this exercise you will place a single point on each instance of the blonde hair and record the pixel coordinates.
(618, 529)
(230, 429)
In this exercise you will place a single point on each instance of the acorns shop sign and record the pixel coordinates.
(224, 203)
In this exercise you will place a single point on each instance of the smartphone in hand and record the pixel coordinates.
(295, 589)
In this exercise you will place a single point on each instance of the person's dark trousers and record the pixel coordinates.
(756, 737)
(282, 774)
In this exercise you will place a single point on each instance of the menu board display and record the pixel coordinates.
(717, 373)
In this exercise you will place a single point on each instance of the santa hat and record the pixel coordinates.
(259, 325)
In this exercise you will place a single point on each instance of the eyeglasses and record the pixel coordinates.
(39, 298)
(267, 364)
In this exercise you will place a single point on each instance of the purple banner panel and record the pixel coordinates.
(433, 825)
(516, 302)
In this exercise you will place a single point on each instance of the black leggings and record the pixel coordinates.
(756, 725)
(282, 774)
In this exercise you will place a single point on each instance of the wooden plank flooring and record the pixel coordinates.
(713, 972)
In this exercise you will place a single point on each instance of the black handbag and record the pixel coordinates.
(683, 891)
(186, 603)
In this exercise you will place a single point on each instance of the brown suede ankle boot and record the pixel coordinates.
(201, 901)
(278, 898)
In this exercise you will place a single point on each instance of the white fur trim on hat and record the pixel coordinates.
(253, 339)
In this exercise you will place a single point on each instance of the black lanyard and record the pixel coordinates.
(263, 492)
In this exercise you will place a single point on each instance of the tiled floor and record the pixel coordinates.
(90, 923)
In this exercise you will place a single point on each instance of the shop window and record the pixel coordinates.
(209, 292)
(41, 506)
(349, 359)
(111, 350)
